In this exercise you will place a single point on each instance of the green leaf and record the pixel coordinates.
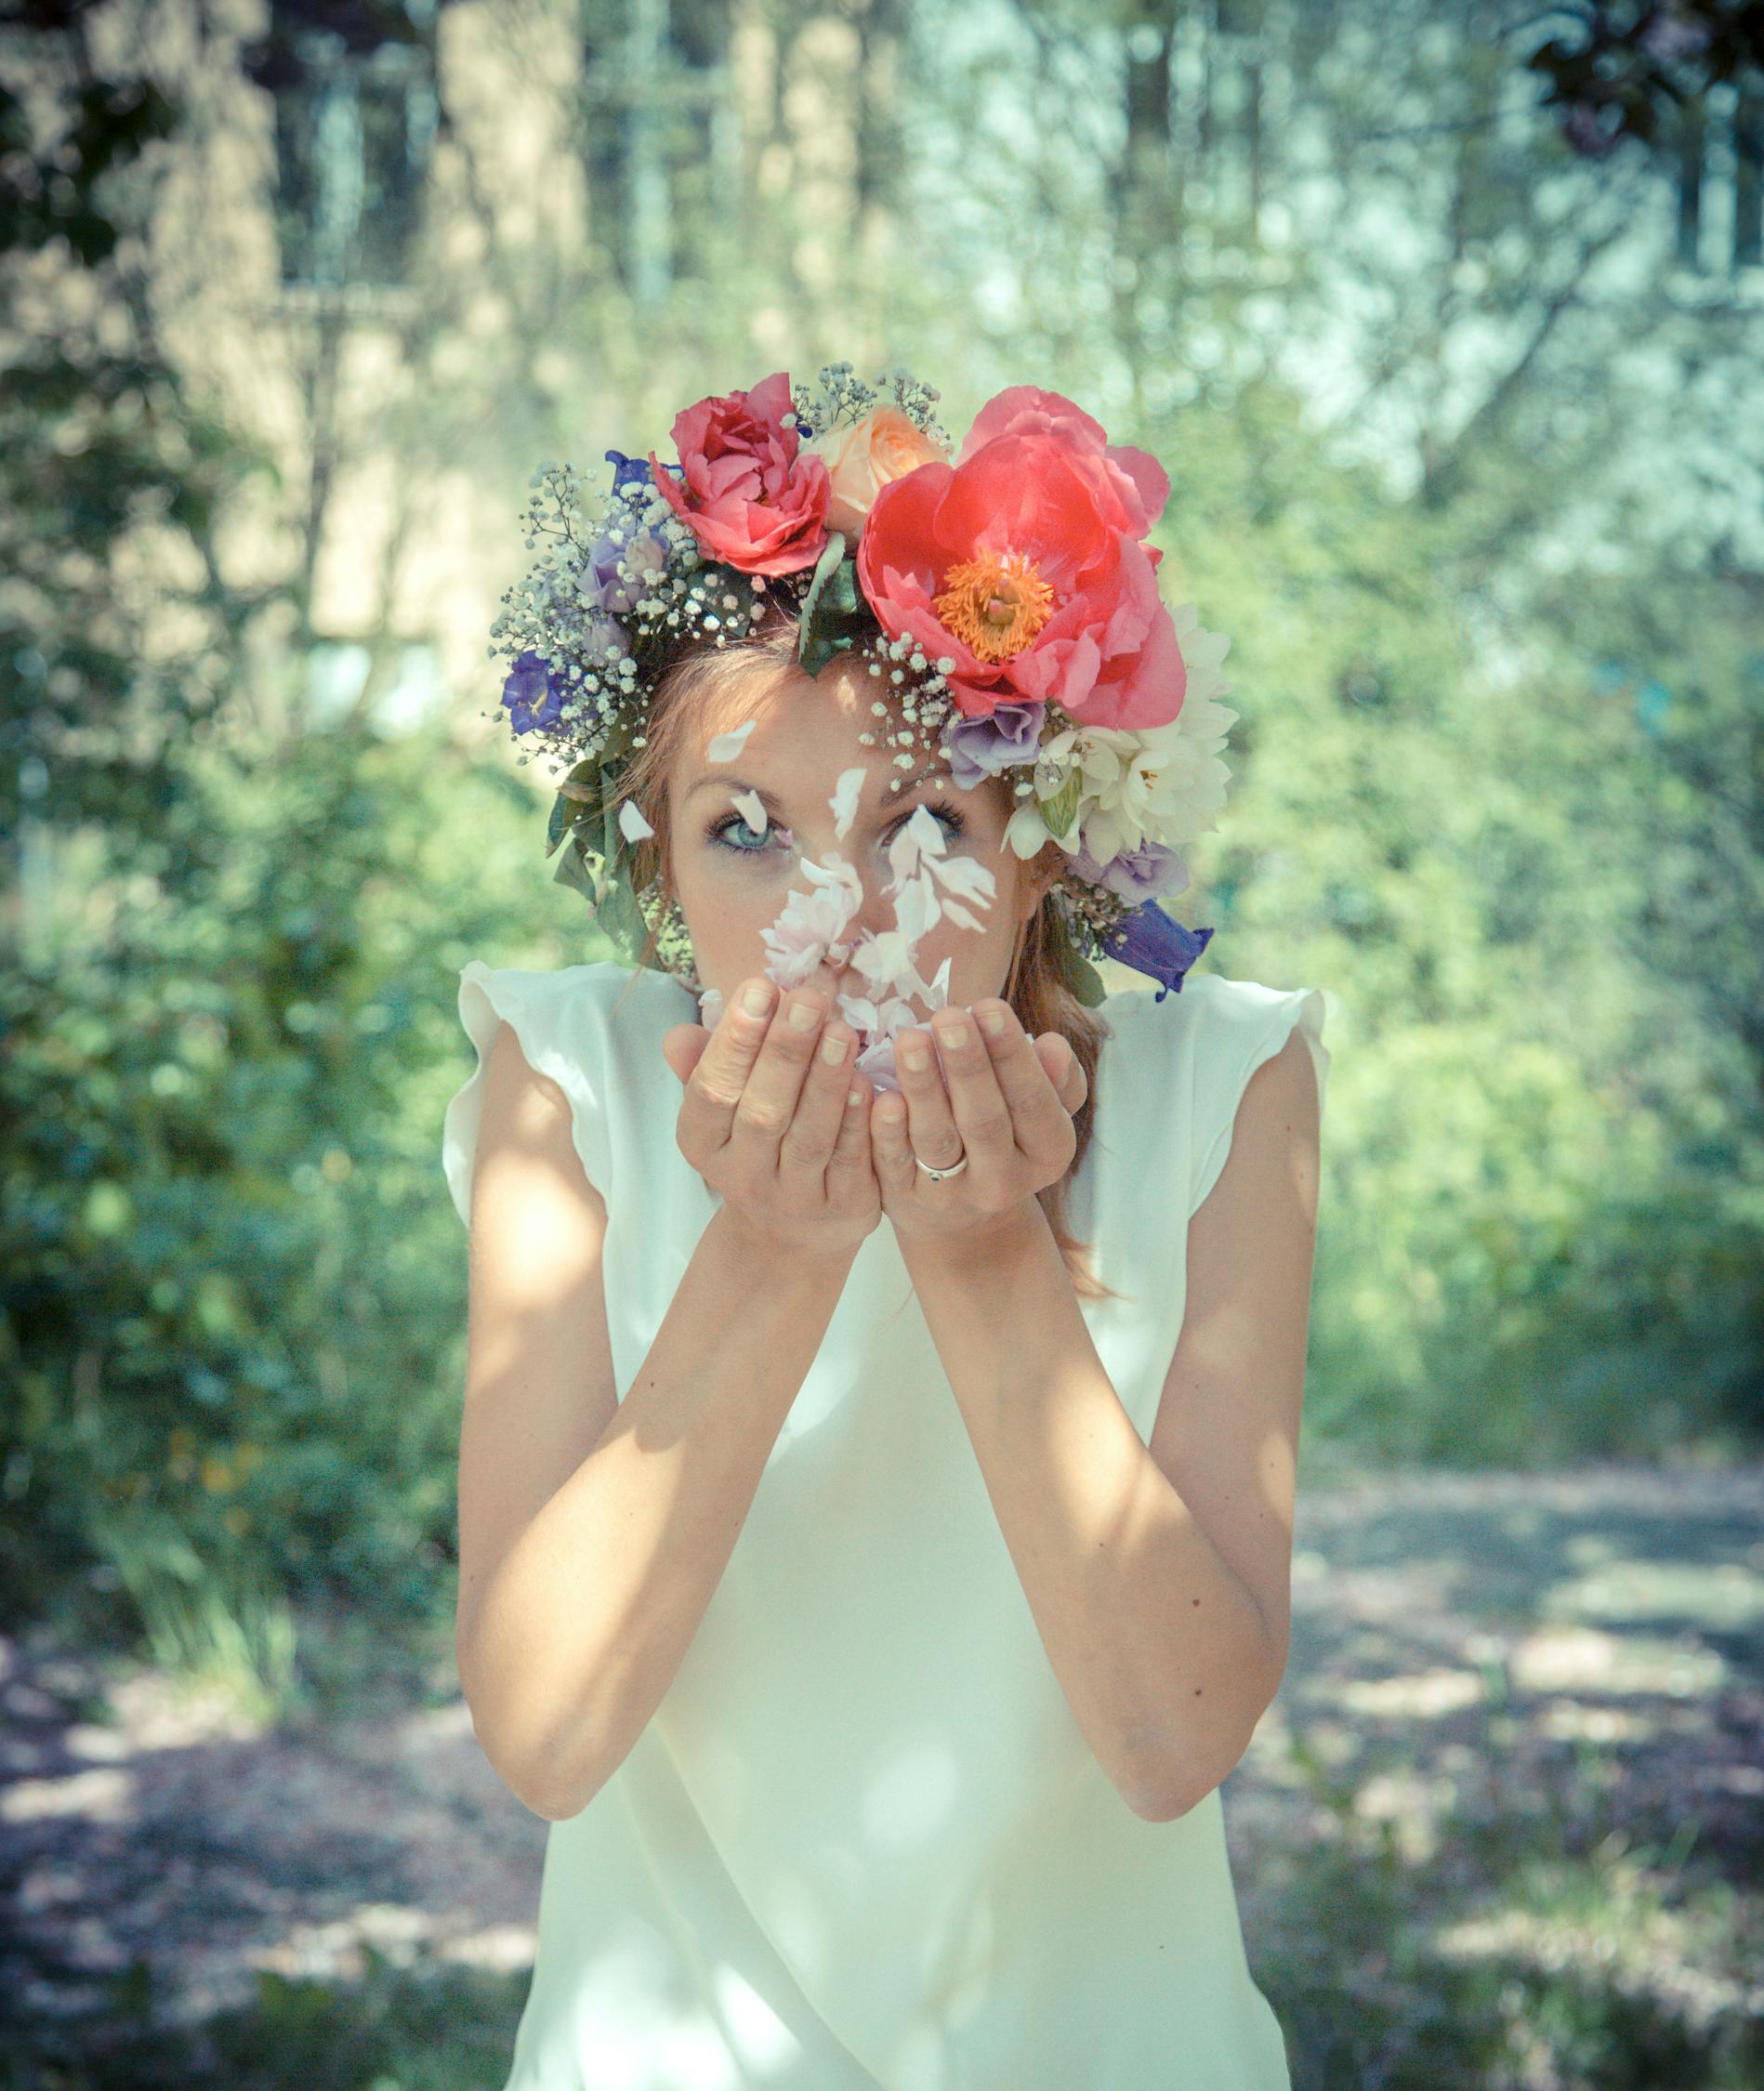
(835, 615)
(1085, 981)
(1061, 809)
(1076, 970)
(572, 871)
(581, 797)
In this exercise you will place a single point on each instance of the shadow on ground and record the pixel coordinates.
(1500, 1831)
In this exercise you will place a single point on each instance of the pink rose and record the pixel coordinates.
(748, 497)
(886, 444)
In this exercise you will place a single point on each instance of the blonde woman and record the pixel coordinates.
(876, 1487)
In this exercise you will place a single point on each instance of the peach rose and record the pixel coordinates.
(863, 457)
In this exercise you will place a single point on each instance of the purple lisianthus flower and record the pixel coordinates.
(1134, 875)
(982, 747)
(606, 636)
(1154, 943)
(532, 692)
(644, 556)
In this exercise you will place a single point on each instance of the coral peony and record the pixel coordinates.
(748, 492)
(1024, 564)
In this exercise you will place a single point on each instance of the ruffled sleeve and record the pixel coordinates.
(559, 1019)
(1242, 1024)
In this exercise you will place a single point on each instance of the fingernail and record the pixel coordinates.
(833, 1049)
(916, 1058)
(757, 999)
(803, 1016)
(955, 1034)
(991, 1021)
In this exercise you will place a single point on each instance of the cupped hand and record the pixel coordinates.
(765, 1120)
(1004, 1099)
(1008, 1104)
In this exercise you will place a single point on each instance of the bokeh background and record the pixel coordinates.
(1446, 317)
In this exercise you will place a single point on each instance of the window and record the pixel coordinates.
(355, 119)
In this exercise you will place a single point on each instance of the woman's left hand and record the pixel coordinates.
(1004, 1099)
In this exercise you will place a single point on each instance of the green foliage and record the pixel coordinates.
(396, 2028)
(1540, 1227)
(232, 1300)
(1507, 812)
(834, 617)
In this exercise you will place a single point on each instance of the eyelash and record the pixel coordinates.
(956, 825)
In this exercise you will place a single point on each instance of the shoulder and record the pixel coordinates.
(1206, 1010)
(583, 1004)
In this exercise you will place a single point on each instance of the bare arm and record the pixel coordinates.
(593, 1532)
(1158, 1573)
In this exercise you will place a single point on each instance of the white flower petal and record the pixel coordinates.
(845, 800)
(748, 806)
(726, 748)
(1026, 832)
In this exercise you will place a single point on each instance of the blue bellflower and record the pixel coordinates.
(628, 471)
(1152, 943)
(635, 471)
(532, 692)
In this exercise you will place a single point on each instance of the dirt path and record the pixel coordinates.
(1485, 1650)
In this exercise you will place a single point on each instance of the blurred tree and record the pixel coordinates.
(1461, 457)
(1655, 72)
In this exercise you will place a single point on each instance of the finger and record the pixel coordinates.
(890, 1154)
(775, 1082)
(983, 1113)
(1065, 1070)
(682, 1048)
(930, 1121)
(808, 1143)
(1040, 1121)
(716, 1085)
(852, 1156)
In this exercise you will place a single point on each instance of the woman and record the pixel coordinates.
(855, 1569)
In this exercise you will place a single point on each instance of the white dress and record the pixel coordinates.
(862, 1843)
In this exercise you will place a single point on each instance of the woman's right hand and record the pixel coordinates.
(764, 1120)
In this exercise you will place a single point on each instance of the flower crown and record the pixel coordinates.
(1007, 601)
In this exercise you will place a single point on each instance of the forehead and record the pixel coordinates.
(802, 732)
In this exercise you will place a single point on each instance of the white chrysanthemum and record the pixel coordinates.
(1168, 787)
(1162, 783)
(1202, 654)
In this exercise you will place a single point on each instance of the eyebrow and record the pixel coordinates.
(774, 805)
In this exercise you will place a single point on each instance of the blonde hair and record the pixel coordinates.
(1034, 988)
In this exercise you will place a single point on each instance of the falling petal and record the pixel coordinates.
(845, 800)
(747, 805)
(632, 825)
(727, 747)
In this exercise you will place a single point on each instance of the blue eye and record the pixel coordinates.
(725, 827)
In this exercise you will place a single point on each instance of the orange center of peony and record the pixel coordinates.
(994, 604)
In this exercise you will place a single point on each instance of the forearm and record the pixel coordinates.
(587, 1617)
(1161, 1651)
